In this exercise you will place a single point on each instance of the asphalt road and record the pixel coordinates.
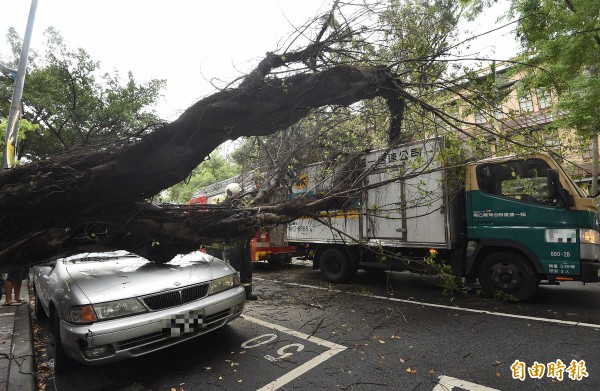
(395, 332)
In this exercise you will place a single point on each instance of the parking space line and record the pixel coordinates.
(472, 310)
(447, 383)
(307, 366)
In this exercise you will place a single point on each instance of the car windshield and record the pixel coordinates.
(179, 260)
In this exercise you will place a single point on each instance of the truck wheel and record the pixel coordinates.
(275, 261)
(336, 266)
(509, 273)
(62, 362)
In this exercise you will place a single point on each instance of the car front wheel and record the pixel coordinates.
(62, 362)
(37, 306)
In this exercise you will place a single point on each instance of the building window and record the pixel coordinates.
(499, 113)
(525, 102)
(550, 137)
(543, 97)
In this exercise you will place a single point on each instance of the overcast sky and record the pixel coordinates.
(182, 41)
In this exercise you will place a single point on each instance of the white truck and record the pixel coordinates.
(509, 221)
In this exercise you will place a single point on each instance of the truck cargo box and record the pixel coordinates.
(404, 203)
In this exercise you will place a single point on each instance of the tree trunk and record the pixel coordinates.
(594, 164)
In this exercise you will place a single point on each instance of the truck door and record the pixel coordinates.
(385, 208)
(514, 206)
(408, 210)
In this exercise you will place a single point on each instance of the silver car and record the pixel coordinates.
(105, 307)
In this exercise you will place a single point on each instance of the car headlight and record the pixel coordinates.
(589, 236)
(102, 311)
(224, 283)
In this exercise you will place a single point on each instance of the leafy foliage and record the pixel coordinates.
(324, 135)
(410, 37)
(560, 44)
(416, 35)
(213, 169)
(25, 128)
(75, 105)
(563, 38)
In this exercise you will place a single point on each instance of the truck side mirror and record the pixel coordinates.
(553, 183)
(555, 190)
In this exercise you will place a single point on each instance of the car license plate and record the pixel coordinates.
(184, 323)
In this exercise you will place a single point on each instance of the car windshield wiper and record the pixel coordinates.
(103, 258)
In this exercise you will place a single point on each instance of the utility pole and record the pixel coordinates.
(8, 158)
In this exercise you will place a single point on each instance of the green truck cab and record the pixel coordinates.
(527, 222)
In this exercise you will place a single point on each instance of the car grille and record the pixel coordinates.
(175, 298)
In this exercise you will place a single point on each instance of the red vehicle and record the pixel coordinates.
(263, 248)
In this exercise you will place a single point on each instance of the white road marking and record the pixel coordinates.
(447, 383)
(261, 341)
(307, 366)
(472, 310)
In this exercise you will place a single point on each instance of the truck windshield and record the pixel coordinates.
(524, 180)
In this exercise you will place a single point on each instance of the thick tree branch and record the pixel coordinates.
(99, 198)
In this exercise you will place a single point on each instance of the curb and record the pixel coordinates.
(21, 376)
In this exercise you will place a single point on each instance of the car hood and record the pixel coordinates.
(125, 277)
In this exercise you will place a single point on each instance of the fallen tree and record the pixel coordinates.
(85, 202)
(90, 201)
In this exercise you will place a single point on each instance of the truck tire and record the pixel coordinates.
(509, 273)
(275, 261)
(336, 266)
